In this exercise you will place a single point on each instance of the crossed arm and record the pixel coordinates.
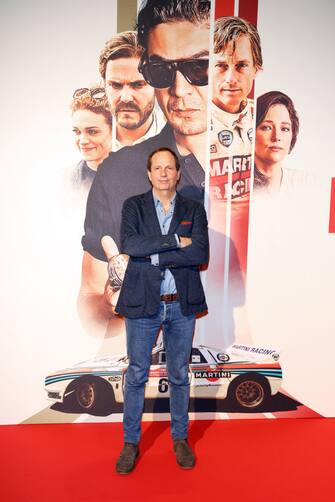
(95, 306)
(193, 250)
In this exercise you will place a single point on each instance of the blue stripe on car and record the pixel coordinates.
(72, 376)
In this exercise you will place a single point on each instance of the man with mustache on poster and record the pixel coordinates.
(131, 99)
(237, 59)
(175, 38)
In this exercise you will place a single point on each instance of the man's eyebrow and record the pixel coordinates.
(196, 55)
(222, 58)
(126, 82)
(138, 81)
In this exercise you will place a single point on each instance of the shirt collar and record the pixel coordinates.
(233, 119)
(156, 126)
(158, 202)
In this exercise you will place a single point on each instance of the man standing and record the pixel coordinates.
(166, 237)
(131, 99)
(175, 38)
(237, 59)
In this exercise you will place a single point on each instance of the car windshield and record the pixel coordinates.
(197, 356)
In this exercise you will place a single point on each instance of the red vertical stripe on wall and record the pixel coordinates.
(332, 208)
(248, 10)
(224, 8)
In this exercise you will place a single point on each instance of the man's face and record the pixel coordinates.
(184, 105)
(130, 98)
(233, 75)
(163, 175)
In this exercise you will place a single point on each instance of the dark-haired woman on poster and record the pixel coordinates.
(277, 127)
(92, 130)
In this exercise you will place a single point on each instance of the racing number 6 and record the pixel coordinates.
(163, 385)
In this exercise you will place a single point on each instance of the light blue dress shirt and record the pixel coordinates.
(168, 284)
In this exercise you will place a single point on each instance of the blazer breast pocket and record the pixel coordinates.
(185, 228)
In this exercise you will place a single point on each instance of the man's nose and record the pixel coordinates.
(230, 75)
(126, 95)
(163, 172)
(181, 87)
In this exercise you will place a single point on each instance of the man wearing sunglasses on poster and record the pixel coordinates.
(175, 38)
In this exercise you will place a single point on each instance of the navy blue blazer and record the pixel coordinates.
(141, 236)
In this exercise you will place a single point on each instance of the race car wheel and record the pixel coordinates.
(249, 392)
(95, 396)
(86, 394)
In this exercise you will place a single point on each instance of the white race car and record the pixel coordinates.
(246, 374)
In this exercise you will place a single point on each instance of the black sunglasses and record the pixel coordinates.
(162, 74)
(97, 93)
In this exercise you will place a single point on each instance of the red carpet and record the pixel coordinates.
(238, 460)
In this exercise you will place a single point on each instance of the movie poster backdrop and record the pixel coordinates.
(265, 348)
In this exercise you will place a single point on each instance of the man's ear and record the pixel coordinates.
(149, 175)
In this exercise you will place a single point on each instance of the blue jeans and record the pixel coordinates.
(141, 335)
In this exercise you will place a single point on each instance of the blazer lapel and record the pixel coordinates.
(178, 213)
(150, 213)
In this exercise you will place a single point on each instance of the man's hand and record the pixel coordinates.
(117, 265)
(110, 296)
(95, 297)
(185, 241)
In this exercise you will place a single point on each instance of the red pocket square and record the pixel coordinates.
(185, 222)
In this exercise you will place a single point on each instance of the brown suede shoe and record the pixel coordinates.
(184, 455)
(127, 458)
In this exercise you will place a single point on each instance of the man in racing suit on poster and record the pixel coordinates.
(237, 59)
